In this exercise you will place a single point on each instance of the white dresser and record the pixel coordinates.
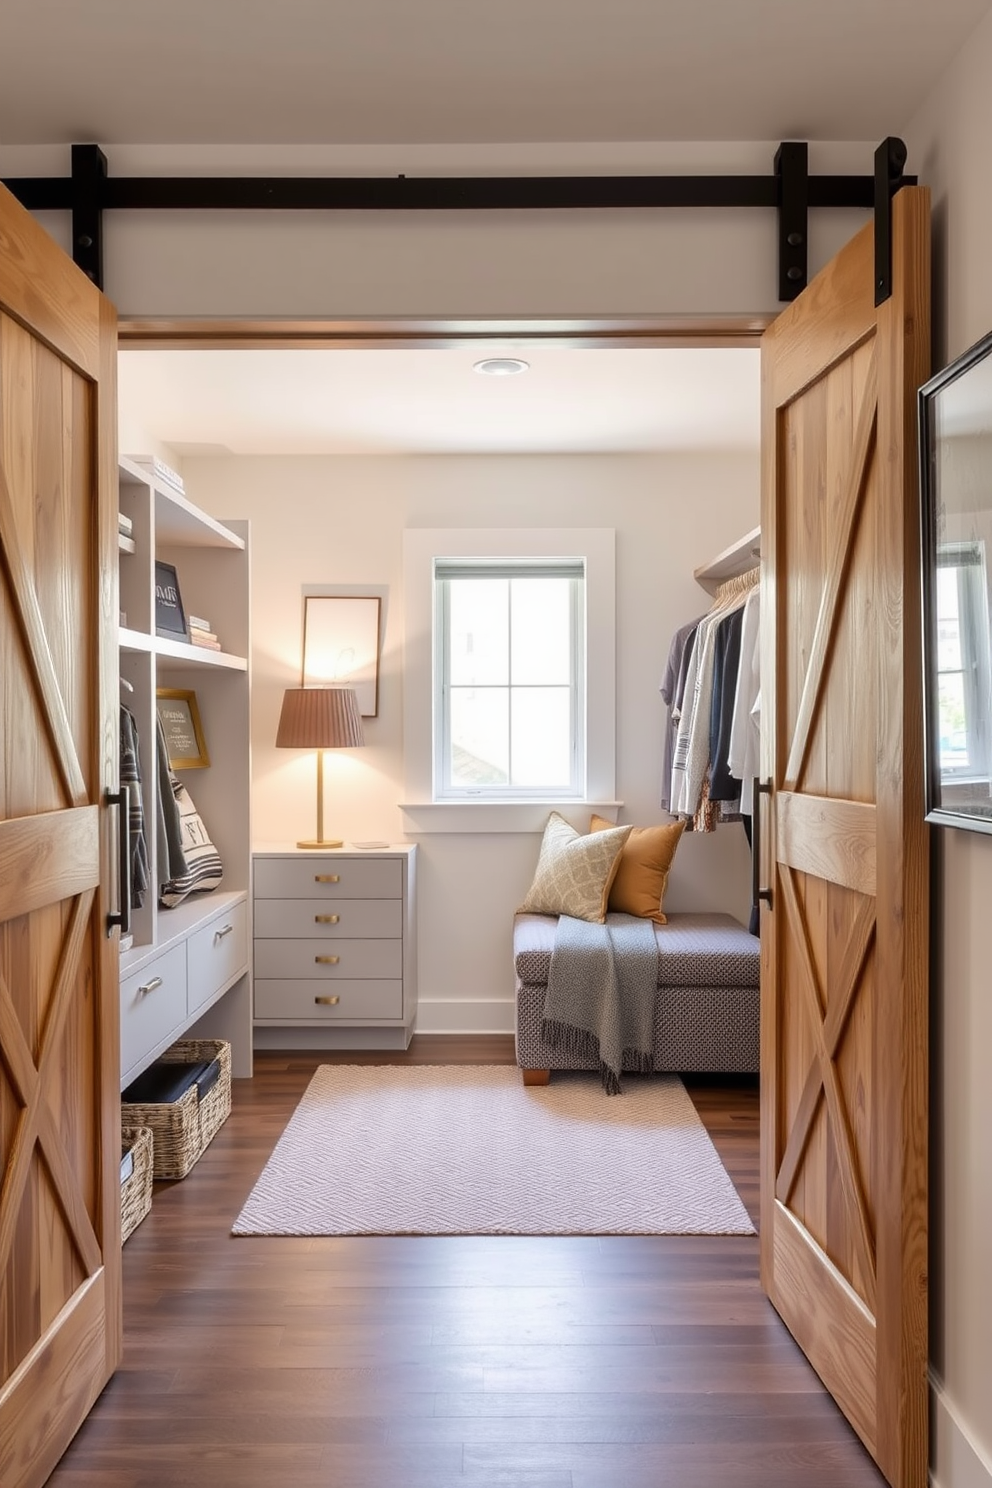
(335, 947)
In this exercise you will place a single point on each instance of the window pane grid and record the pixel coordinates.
(519, 737)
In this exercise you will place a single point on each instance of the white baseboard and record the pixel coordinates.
(330, 1038)
(434, 1015)
(957, 1458)
(460, 1015)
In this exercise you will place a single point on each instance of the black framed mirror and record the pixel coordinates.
(955, 413)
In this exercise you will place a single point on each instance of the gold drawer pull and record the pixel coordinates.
(327, 878)
(326, 919)
(327, 960)
(149, 986)
(327, 1001)
(219, 934)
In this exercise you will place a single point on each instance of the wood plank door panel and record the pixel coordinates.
(60, 1304)
(844, 940)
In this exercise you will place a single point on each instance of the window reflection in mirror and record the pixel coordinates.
(956, 489)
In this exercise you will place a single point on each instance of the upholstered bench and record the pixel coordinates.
(706, 1008)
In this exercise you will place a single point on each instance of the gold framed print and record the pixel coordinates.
(180, 718)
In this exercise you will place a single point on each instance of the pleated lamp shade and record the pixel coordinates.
(320, 718)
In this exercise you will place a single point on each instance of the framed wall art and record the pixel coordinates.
(341, 645)
(180, 718)
(170, 617)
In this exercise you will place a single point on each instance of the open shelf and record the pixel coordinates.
(188, 966)
(737, 559)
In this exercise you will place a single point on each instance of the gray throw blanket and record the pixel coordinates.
(601, 991)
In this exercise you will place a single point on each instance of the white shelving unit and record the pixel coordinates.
(187, 972)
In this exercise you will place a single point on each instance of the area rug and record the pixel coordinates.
(469, 1150)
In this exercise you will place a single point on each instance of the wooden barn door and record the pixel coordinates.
(60, 1303)
(844, 941)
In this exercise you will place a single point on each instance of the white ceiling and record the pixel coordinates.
(461, 71)
(431, 401)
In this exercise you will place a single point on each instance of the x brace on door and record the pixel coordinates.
(90, 191)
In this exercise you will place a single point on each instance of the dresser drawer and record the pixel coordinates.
(328, 878)
(153, 1003)
(216, 954)
(352, 958)
(297, 1000)
(354, 919)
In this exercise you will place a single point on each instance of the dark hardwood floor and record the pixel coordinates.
(476, 1362)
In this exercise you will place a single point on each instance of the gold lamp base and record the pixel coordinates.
(330, 842)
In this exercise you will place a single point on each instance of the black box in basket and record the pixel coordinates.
(184, 1098)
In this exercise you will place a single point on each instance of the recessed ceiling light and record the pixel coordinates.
(501, 366)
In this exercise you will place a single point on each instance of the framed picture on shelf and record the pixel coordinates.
(180, 719)
(341, 645)
(170, 617)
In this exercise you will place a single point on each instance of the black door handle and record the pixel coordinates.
(122, 801)
(761, 788)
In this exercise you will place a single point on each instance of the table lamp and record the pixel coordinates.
(320, 718)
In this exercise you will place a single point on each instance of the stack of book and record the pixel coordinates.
(160, 472)
(200, 633)
(124, 539)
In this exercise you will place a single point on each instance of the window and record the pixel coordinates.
(509, 666)
(963, 677)
(583, 770)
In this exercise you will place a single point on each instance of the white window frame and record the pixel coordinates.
(423, 809)
(510, 568)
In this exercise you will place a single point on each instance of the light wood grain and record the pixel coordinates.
(59, 1105)
(38, 650)
(903, 882)
(842, 540)
(851, 1179)
(829, 838)
(844, 959)
(46, 292)
(828, 1319)
(45, 858)
(62, 1366)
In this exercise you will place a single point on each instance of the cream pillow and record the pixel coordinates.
(641, 878)
(574, 873)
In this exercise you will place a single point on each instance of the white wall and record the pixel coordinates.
(949, 142)
(353, 264)
(340, 521)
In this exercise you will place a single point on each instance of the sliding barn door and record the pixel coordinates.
(844, 852)
(60, 1305)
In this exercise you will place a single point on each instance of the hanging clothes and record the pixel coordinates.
(726, 665)
(745, 731)
(130, 774)
(692, 746)
(672, 690)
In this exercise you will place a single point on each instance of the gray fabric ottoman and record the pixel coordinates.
(706, 1008)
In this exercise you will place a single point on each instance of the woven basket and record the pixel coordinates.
(136, 1190)
(183, 1129)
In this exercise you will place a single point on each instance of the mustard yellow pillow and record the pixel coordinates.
(638, 887)
(574, 873)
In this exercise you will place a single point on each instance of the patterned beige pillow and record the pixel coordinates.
(574, 873)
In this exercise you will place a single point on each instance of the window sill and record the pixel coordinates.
(500, 816)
